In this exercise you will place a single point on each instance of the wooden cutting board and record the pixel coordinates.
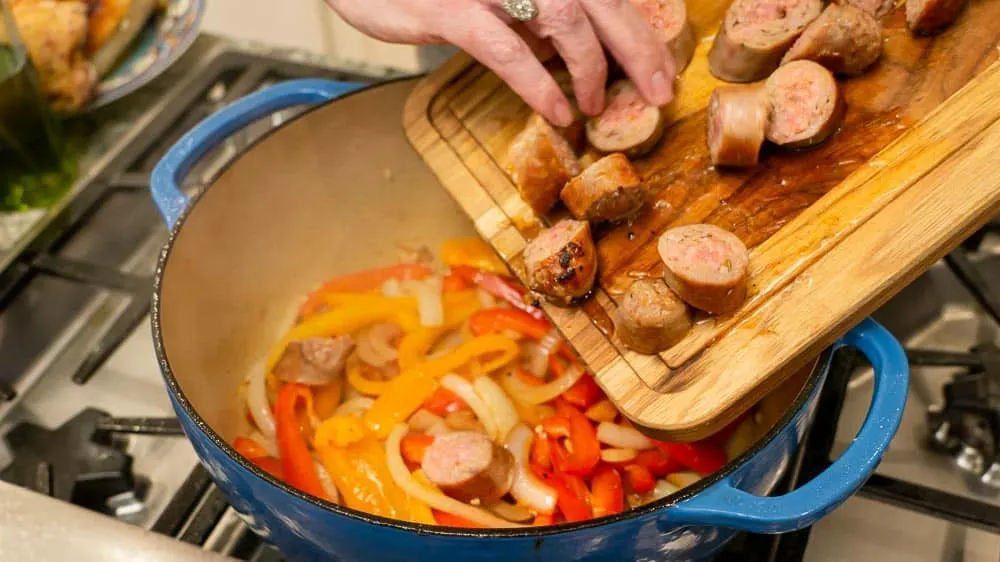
(834, 231)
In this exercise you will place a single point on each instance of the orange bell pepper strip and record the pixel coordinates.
(472, 252)
(444, 402)
(361, 474)
(327, 398)
(543, 519)
(453, 283)
(296, 459)
(249, 448)
(607, 496)
(363, 281)
(448, 520)
(495, 320)
(583, 437)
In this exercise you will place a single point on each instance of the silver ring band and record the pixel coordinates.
(521, 10)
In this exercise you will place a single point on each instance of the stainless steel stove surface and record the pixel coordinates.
(75, 347)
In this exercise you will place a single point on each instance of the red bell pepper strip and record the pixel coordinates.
(556, 426)
(640, 480)
(449, 520)
(606, 494)
(584, 394)
(583, 438)
(493, 320)
(414, 445)
(657, 462)
(454, 283)
(363, 281)
(500, 287)
(249, 448)
(542, 519)
(702, 457)
(270, 465)
(296, 460)
(444, 402)
(541, 452)
(571, 504)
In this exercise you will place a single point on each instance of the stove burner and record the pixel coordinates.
(77, 463)
(967, 425)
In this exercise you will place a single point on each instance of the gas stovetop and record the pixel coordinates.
(85, 418)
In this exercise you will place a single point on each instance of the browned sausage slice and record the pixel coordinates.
(628, 124)
(844, 39)
(669, 20)
(756, 34)
(467, 465)
(650, 317)
(561, 263)
(877, 8)
(314, 361)
(926, 17)
(737, 122)
(806, 104)
(706, 266)
(608, 190)
(541, 162)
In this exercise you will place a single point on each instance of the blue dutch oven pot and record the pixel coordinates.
(337, 189)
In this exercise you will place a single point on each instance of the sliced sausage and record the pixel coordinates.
(756, 34)
(806, 104)
(844, 39)
(737, 123)
(314, 361)
(926, 17)
(608, 190)
(541, 162)
(877, 8)
(706, 266)
(628, 124)
(561, 263)
(669, 20)
(650, 317)
(468, 466)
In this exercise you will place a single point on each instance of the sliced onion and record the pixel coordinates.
(683, 479)
(401, 475)
(375, 345)
(663, 489)
(616, 456)
(526, 394)
(511, 512)
(355, 406)
(468, 394)
(430, 306)
(447, 344)
(486, 300)
(464, 420)
(324, 478)
(424, 419)
(392, 288)
(269, 443)
(260, 408)
(439, 428)
(527, 488)
(623, 437)
(496, 400)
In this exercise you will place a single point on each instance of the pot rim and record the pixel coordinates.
(174, 388)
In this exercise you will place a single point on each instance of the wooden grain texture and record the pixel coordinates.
(834, 231)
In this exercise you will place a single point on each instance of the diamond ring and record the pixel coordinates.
(521, 10)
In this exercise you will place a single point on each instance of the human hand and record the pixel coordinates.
(578, 30)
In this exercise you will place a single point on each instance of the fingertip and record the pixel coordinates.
(661, 88)
(562, 113)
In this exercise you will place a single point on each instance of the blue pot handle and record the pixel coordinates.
(724, 505)
(178, 161)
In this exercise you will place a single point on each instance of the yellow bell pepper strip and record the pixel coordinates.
(362, 477)
(472, 252)
(339, 431)
(347, 320)
(337, 300)
(361, 282)
(296, 460)
(415, 345)
(405, 393)
(327, 397)
(363, 384)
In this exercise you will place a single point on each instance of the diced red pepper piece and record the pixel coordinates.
(444, 402)
(500, 287)
(544, 519)
(607, 496)
(270, 465)
(583, 439)
(702, 457)
(541, 451)
(571, 504)
(296, 461)
(556, 426)
(657, 462)
(585, 393)
(414, 445)
(454, 283)
(639, 479)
